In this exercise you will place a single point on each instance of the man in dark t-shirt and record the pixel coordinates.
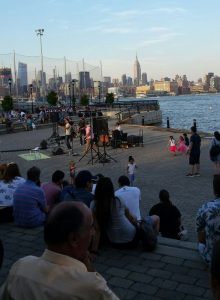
(194, 153)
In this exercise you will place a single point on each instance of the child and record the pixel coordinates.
(172, 145)
(130, 169)
(181, 145)
(72, 168)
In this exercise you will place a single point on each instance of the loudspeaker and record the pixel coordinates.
(43, 144)
(80, 115)
(54, 116)
(100, 114)
(57, 151)
(100, 126)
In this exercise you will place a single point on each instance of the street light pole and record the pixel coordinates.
(73, 91)
(32, 104)
(40, 33)
(9, 83)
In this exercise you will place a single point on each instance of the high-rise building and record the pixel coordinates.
(5, 75)
(41, 79)
(84, 80)
(129, 81)
(137, 72)
(124, 80)
(68, 77)
(144, 78)
(22, 74)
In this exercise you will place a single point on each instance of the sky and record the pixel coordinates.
(170, 37)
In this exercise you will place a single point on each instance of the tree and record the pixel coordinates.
(7, 103)
(109, 98)
(52, 98)
(84, 100)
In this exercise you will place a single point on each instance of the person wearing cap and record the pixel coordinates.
(82, 189)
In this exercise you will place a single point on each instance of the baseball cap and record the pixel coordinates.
(83, 177)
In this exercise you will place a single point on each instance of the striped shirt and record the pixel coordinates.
(29, 205)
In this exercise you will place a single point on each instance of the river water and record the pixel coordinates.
(181, 111)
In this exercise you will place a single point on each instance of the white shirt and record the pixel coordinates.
(54, 276)
(130, 196)
(67, 129)
(131, 168)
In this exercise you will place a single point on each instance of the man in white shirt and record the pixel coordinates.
(130, 196)
(64, 271)
(67, 132)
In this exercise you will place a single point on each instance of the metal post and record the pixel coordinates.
(194, 123)
(32, 104)
(40, 33)
(168, 122)
(142, 120)
(99, 87)
(69, 86)
(9, 83)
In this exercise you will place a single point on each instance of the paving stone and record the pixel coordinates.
(120, 282)
(153, 264)
(100, 267)
(170, 295)
(137, 277)
(184, 278)
(151, 256)
(203, 283)
(176, 269)
(208, 294)
(143, 297)
(191, 290)
(195, 264)
(118, 272)
(160, 273)
(125, 293)
(136, 268)
(115, 263)
(198, 273)
(144, 288)
(172, 260)
(176, 252)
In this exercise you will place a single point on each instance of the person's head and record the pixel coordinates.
(66, 120)
(72, 163)
(69, 229)
(181, 138)
(164, 197)
(184, 134)
(57, 177)
(104, 197)
(217, 135)
(3, 168)
(83, 180)
(123, 181)
(215, 270)
(171, 137)
(131, 159)
(216, 185)
(11, 172)
(33, 174)
(193, 129)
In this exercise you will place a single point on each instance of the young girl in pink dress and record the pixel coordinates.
(181, 146)
(172, 145)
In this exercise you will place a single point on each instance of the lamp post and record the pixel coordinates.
(69, 87)
(73, 91)
(9, 83)
(99, 87)
(32, 104)
(40, 33)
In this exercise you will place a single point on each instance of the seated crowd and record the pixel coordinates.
(79, 218)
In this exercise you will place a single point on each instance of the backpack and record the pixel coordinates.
(214, 151)
(148, 236)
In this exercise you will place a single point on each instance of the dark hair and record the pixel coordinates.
(123, 180)
(104, 199)
(216, 184)
(217, 135)
(82, 178)
(171, 137)
(11, 172)
(130, 158)
(193, 129)
(64, 218)
(33, 174)
(3, 168)
(215, 263)
(165, 197)
(57, 176)
(185, 134)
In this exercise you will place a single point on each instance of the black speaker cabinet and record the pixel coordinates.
(100, 125)
(54, 117)
(57, 151)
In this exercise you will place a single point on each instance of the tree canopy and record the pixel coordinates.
(52, 98)
(109, 98)
(84, 100)
(7, 103)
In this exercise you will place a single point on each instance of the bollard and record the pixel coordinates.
(168, 122)
(142, 120)
(194, 123)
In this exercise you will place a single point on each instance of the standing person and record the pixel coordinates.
(131, 169)
(82, 130)
(65, 270)
(215, 158)
(89, 137)
(172, 145)
(67, 128)
(194, 153)
(208, 223)
(181, 146)
(186, 139)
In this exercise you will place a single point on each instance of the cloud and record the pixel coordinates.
(158, 29)
(169, 10)
(127, 13)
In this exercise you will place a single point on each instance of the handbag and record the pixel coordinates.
(147, 235)
(215, 150)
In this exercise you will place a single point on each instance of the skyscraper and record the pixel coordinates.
(84, 80)
(124, 79)
(144, 78)
(22, 74)
(137, 72)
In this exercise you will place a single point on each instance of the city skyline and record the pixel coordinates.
(169, 38)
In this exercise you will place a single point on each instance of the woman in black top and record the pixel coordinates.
(170, 217)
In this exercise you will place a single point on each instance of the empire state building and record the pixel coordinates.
(137, 72)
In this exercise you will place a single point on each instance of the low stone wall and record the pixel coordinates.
(147, 118)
